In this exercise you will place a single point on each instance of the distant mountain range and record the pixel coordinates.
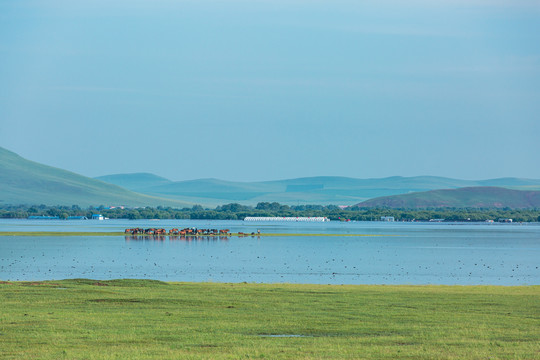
(27, 182)
(312, 190)
(469, 197)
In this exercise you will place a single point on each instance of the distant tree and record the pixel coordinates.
(234, 207)
(197, 208)
(263, 206)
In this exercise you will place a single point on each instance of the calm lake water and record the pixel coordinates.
(406, 253)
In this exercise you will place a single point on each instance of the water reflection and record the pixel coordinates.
(176, 238)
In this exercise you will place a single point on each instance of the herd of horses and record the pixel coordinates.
(186, 231)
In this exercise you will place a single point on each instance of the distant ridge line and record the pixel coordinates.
(324, 190)
(26, 182)
(468, 197)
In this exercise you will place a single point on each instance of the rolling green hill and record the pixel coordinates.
(311, 190)
(27, 182)
(135, 181)
(469, 197)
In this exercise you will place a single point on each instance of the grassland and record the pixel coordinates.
(123, 319)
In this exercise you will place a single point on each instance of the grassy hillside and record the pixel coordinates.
(136, 181)
(27, 182)
(311, 190)
(471, 197)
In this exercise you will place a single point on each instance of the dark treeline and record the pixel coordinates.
(238, 212)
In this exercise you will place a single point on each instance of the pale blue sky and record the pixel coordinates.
(262, 90)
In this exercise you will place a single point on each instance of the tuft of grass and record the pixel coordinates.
(116, 282)
(145, 319)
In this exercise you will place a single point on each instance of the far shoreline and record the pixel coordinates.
(141, 282)
(119, 233)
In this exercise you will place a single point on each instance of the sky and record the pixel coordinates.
(271, 89)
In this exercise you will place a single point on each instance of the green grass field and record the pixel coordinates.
(123, 319)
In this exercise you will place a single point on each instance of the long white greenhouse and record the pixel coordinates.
(303, 219)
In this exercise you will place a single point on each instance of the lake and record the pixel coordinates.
(403, 253)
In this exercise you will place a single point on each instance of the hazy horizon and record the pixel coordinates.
(315, 176)
(268, 90)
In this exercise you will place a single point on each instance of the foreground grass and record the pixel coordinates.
(119, 319)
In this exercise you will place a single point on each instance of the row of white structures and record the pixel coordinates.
(303, 219)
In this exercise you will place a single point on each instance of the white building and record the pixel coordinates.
(299, 219)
